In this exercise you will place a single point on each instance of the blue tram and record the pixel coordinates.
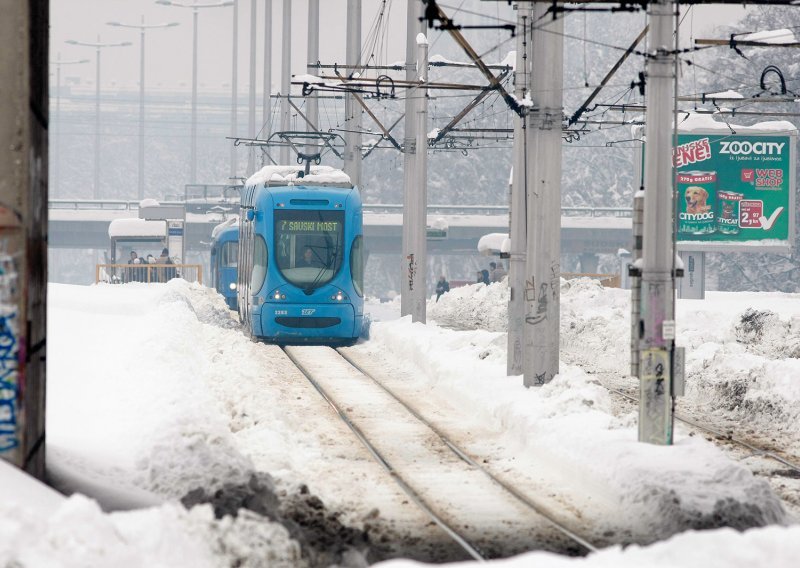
(301, 266)
(224, 260)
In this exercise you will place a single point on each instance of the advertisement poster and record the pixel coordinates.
(734, 191)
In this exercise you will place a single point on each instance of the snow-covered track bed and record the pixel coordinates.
(486, 516)
(765, 458)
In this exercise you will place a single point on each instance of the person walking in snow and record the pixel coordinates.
(442, 286)
(483, 277)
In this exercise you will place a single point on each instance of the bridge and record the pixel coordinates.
(83, 224)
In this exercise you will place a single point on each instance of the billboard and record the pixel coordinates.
(735, 191)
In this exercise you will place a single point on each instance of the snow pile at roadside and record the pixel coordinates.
(569, 422)
(118, 395)
(742, 358)
(474, 306)
(742, 349)
(49, 530)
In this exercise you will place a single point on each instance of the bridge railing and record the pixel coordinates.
(148, 273)
(121, 204)
(502, 210)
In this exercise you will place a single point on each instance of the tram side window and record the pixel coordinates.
(259, 264)
(229, 256)
(357, 265)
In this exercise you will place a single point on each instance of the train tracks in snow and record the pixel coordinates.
(785, 480)
(486, 516)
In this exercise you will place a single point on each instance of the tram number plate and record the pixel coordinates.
(308, 311)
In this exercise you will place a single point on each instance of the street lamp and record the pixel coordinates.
(195, 8)
(98, 46)
(57, 121)
(141, 27)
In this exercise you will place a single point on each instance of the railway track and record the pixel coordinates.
(785, 480)
(720, 435)
(484, 515)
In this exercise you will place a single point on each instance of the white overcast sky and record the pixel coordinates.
(169, 51)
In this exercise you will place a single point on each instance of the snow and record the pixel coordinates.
(317, 175)
(153, 391)
(421, 39)
(230, 222)
(137, 228)
(692, 121)
(729, 94)
(494, 243)
(775, 37)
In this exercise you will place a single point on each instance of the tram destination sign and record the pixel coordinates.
(735, 192)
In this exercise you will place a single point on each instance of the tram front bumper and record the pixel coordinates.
(309, 323)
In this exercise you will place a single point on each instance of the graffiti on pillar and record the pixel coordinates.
(9, 349)
(412, 270)
(539, 299)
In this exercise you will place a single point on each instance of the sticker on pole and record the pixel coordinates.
(668, 329)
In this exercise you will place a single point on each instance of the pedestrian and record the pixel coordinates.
(483, 277)
(168, 273)
(132, 272)
(442, 286)
(496, 272)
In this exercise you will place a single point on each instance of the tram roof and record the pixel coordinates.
(325, 176)
(230, 224)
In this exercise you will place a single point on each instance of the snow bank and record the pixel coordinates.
(571, 420)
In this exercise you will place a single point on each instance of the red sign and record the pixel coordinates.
(750, 213)
(748, 175)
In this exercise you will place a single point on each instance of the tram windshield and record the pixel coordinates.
(309, 246)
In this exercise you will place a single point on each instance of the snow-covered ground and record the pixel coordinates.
(153, 392)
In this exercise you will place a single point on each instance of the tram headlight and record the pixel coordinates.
(278, 296)
(338, 296)
(232, 285)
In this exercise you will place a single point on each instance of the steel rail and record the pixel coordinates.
(723, 435)
(407, 489)
(473, 463)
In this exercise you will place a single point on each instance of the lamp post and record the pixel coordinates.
(141, 27)
(56, 121)
(195, 9)
(98, 46)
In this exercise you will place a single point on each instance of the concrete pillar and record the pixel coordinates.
(23, 232)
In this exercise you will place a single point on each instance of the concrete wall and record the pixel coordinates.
(23, 231)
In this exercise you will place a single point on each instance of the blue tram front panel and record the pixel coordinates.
(306, 323)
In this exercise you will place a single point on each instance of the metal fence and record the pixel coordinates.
(122, 273)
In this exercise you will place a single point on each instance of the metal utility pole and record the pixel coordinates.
(23, 234)
(543, 262)
(235, 88)
(142, 28)
(251, 116)
(266, 110)
(286, 76)
(352, 110)
(312, 102)
(412, 286)
(98, 46)
(56, 125)
(419, 209)
(657, 318)
(195, 9)
(517, 231)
